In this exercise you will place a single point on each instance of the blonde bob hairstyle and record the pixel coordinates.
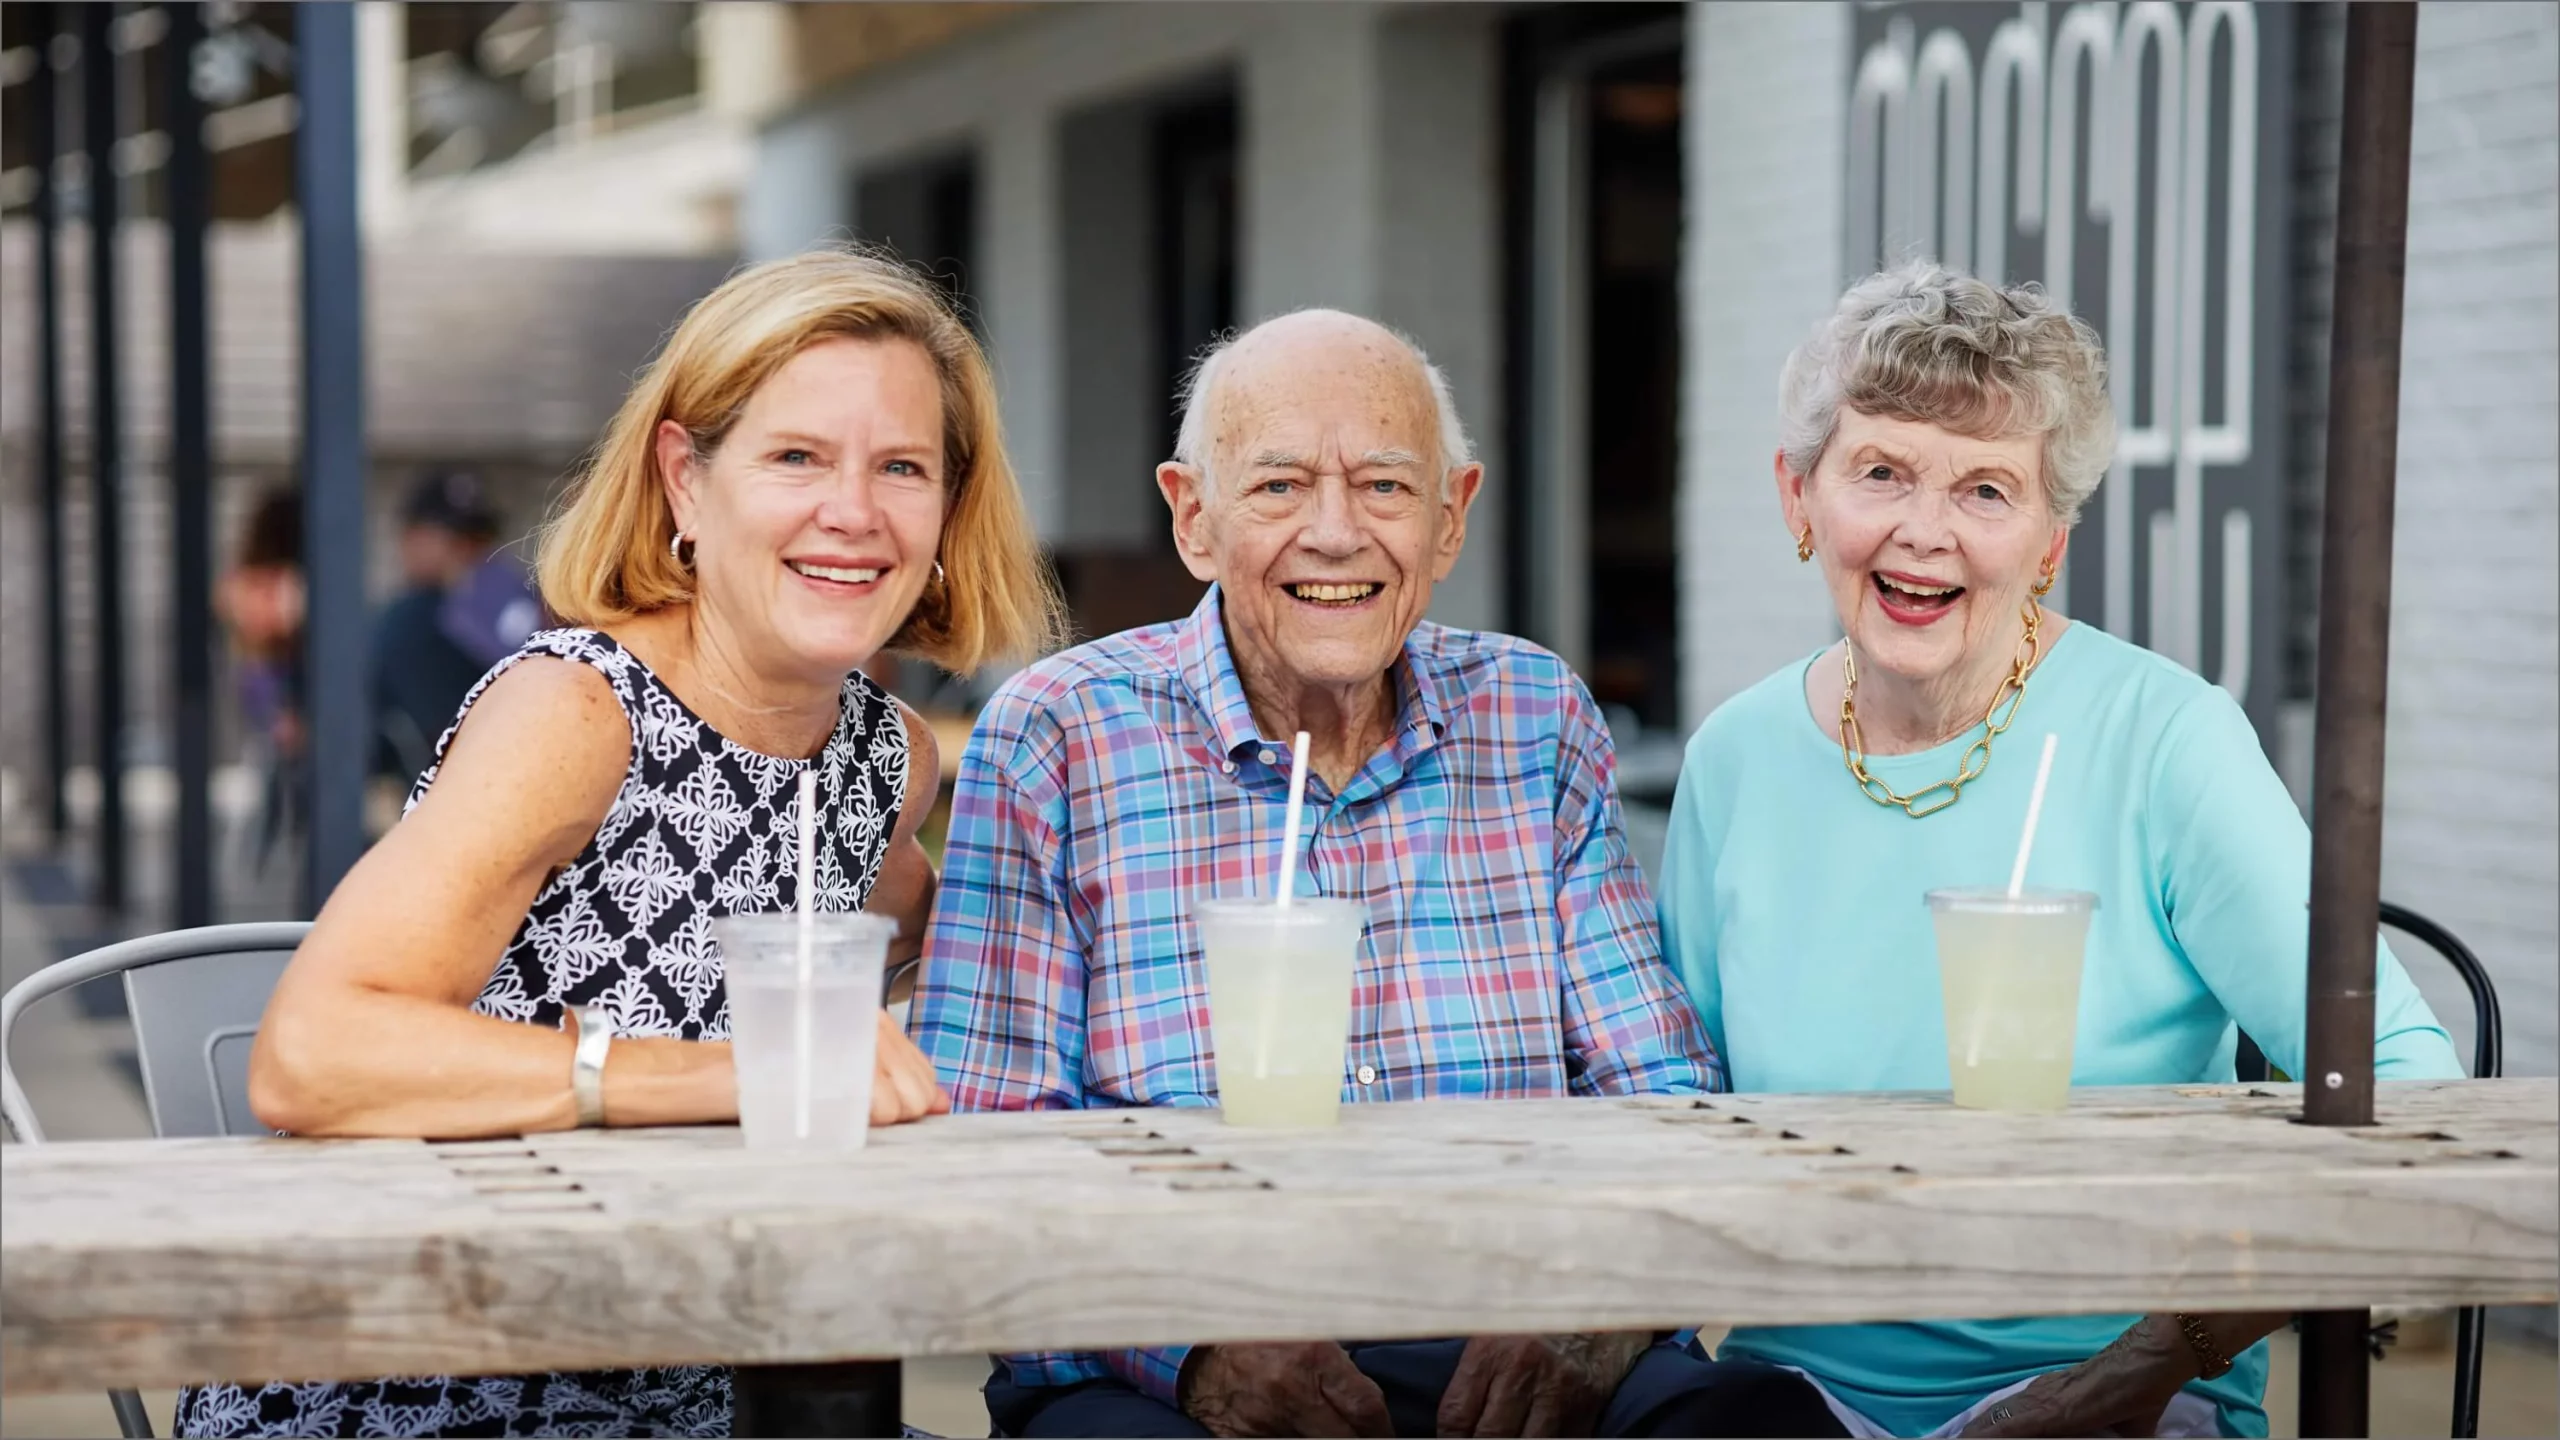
(604, 554)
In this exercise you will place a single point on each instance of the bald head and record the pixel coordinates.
(1271, 363)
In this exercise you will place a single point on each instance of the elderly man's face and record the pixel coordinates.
(1324, 518)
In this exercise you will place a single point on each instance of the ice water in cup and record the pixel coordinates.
(761, 955)
(2010, 966)
(1280, 1005)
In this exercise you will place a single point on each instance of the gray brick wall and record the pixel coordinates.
(2474, 780)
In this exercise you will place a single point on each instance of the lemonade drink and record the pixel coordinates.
(1280, 1005)
(2010, 966)
(761, 968)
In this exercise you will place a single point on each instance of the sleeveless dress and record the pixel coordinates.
(702, 827)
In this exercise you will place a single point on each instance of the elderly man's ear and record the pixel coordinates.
(1461, 501)
(1186, 496)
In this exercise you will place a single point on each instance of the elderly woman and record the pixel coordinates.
(811, 471)
(1940, 438)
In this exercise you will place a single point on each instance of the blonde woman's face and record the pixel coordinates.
(815, 526)
(1930, 542)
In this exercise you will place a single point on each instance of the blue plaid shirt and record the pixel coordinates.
(1512, 947)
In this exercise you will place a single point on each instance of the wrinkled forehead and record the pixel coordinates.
(1339, 397)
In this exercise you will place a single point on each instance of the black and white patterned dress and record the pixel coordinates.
(702, 827)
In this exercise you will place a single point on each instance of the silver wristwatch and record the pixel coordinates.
(586, 1070)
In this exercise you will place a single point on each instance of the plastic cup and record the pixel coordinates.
(1280, 1005)
(761, 967)
(2010, 966)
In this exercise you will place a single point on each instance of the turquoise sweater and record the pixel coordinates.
(1791, 905)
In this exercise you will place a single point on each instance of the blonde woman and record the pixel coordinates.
(811, 472)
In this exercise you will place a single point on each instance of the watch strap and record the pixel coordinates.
(2211, 1363)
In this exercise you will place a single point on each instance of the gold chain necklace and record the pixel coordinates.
(1977, 756)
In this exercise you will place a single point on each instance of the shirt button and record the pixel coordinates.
(1270, 757)
(1368, 1074)
(1227, 765)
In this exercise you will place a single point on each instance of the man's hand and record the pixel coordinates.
(1536, 1384)
(1293, 1389)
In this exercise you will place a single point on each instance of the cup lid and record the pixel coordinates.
(1997, 899)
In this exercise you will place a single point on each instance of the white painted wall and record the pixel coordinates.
(1370, 138)
(2473, 785)
(1766, 146)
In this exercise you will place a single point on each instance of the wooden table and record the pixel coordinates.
(149, 1264)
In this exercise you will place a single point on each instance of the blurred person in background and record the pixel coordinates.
(1939, 436)
(419, 669)
(1463, 794)
(811, 470)
(260, 600)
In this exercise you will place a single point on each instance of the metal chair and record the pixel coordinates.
(2488, 1060)
(196, 997)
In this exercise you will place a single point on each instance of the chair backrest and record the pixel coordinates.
(196, 997)
(2488, 1026)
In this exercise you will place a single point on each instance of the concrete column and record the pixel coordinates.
(1766, 149)
(1020, 281)
(382, 115)
(1438, 208)
(1313, 200)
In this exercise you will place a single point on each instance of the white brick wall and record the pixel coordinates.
(2474, 779)
(1766, 147)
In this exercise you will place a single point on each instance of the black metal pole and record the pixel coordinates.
(106, 447)
(47, 124)
(190, 464)
(333, 439)
(2355, 629)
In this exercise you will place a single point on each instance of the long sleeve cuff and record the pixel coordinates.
(1156, 1373)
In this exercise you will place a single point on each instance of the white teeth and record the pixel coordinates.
(1334, 593)
(1908, 589)
(838, 573)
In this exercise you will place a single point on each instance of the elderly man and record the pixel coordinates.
(1461, 787)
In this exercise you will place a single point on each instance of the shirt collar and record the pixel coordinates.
(1209, 669)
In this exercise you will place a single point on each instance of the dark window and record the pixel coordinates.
(927, 212)
(1195, 161)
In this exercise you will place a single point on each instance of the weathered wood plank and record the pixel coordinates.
(152, 1264)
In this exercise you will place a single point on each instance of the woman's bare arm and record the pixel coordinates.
(371, 1031)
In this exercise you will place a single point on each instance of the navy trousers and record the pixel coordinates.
(1670, 1390)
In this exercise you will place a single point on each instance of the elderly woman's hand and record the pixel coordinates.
(903, 1086)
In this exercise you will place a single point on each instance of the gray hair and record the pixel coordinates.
(1191, 443)
(1924, 343)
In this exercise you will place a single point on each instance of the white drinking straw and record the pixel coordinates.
(2035, 812)
(804, 1040)
(1288, 883)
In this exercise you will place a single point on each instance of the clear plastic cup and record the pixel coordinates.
(1280, 1005)
(2010, 967)
(761, 966)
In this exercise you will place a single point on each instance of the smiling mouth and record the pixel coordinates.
(1911, 599)
(1333, 595)
(840, 574)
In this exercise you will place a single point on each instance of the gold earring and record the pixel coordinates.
(1804, 545)
(2044, 582)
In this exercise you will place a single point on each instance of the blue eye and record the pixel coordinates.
(1387, 487)
(1275, 487)
(795, 457)
(1989, 492)
(905, 467)
(1879, 472)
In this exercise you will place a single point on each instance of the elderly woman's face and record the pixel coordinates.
(815, 526)
(1931, 541)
